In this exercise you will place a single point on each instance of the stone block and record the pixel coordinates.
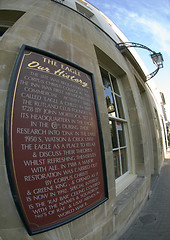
(66, 34)
(81, 58)
(39, 23)
(95, 235)
(15, 234)
(101, 99)
(110, 170)
(107, 228)
(106, 132)
(25, 34)
(62, 233)
(7, 61)
(82, 43)
(9, 215)
(52, 44)
(140, 169)
(133, 116)
(45, 11)
(82, 226)
(99, 216)
(140, 195)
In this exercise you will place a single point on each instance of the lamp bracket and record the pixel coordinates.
(122, 46)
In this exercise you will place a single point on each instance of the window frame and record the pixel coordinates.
(8, 18)
(117, 119)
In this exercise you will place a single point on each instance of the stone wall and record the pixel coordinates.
(57, 29)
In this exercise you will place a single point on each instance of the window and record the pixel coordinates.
(7, 19)
(3, 29)
(83, 10)
(117, 122)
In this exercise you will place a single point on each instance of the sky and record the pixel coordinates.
(146, 22)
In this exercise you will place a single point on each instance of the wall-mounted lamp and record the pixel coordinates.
(157, 58)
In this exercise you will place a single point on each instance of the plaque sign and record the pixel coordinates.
(53, 141)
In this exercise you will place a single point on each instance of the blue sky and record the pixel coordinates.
(146, 22)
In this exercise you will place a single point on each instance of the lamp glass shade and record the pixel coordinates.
(157, 59)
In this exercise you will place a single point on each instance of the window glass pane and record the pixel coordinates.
(113, 134)
(121, 135)
(109, 102)
(112, 114)
(116, 164)
(124, 160)
(119, 106)
(105, 78)
(114, 83)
